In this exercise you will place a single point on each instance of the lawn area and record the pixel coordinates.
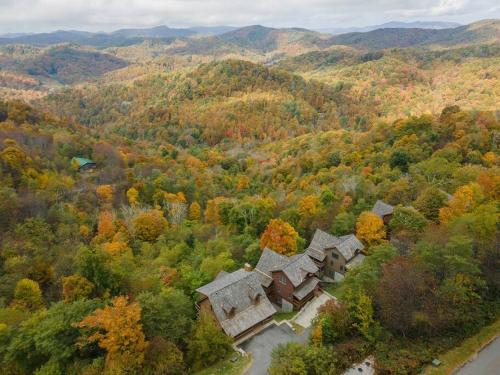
(284, 315)
(226, 367)
(458, 356)
(335, 289)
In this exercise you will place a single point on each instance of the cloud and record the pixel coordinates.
(44, 15)
(446, 7)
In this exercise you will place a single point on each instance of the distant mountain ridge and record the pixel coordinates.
(260, 39)
(115, 38)
(392, 25)
(486, 31)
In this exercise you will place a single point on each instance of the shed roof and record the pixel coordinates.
(382, 209)
(306, 288)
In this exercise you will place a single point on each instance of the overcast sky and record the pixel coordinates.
(107, 15)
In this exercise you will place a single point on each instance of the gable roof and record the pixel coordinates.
(296, 268)
(348, 246)
(321, 241)
(382, 209)
(238, 301)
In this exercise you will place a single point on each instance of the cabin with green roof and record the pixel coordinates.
(83, 164)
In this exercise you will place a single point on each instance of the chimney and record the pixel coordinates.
(247, 267)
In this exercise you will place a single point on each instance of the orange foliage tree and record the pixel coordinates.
(280, 237)
(117, 329)
(105, 227)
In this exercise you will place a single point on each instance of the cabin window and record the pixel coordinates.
(283, 279)
(335, 256)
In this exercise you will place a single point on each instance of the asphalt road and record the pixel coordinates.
(487, 361)
(262, 344)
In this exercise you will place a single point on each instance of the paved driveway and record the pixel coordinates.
(305, 317)
(487, 361)
(262, 344)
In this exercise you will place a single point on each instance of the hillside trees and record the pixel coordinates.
(117, 329)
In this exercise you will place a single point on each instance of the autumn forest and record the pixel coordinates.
(134, 170)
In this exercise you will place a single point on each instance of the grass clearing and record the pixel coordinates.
(284, 315)
(228, 366)
(460, 355)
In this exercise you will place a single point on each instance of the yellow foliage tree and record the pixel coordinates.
(105, 194)
(132, 196)
(280, 237)
(463, 200)
(148, 226)
(194, 211)
(76, 287)
(490, 158)
(84, 231)
(117, 329)
(370, 228)
(309, 206)
(27, 295)
(212, 210)
(243, 183)
(14, 156)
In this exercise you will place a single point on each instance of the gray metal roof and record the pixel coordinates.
(296, 268)
(349, 245)
(382, 209)
(306, 288)
(238, 301)
(321, 241)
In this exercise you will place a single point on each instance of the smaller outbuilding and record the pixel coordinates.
(383, 210)
(83, 164)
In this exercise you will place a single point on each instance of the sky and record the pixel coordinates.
(107, 15)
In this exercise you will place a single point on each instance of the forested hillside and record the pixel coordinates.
(190, 158)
